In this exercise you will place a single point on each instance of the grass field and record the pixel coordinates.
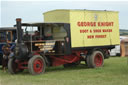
(114, 72)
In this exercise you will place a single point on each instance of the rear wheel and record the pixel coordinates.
(96, 59)
(36, 65)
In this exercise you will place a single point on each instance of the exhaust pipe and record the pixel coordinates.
(21, 49)
(19, 31)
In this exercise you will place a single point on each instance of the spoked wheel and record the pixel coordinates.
(96, 59)
(13, 66)
(36, 65)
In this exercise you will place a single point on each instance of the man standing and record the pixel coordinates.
(6, 51)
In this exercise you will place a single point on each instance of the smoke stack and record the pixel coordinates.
(19, 30)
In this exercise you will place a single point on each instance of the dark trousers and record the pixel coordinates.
(4, 63)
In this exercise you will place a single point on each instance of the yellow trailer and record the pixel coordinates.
(88, 27)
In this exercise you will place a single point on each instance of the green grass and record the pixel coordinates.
(114, 72)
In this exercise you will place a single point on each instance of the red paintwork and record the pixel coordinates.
(98, 60)
(36, 53)
(56, 61)
(22, 64)
(38, 65)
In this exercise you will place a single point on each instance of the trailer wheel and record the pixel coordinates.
(36, 65)
(87, 61)
(13, 66)
(96, 59)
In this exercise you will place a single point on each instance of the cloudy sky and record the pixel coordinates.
(32, 11)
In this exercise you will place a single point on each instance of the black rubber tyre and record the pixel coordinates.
(13, 67)
(96, 59)
(36, 65)
(88, 61)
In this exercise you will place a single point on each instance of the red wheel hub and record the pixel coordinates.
(38, 65)
(98, 60)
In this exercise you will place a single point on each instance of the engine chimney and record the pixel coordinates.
(19, 31)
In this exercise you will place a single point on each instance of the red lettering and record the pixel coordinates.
(97, 30)
(107, 30)
(83, 31)
(92, 24)
(100, 36)
(90, 36)
(105, 23)
(78, 23)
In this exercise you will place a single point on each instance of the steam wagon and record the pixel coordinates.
(65, 38)
(7, 34)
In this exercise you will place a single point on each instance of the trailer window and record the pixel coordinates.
(6, 36)
(30, 33)
(9, 36)
(59, 32)
(48, 31)
(29, 29)
(14, 37)
(2, 36)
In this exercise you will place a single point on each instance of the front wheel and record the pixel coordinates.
(96, 59)
(13, 66)
(36, 65)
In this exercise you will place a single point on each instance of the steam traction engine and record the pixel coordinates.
(50, 46)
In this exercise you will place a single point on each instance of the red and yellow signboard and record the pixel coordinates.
(88, 28)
